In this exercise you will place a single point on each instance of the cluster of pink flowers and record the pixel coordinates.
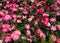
(28, 19)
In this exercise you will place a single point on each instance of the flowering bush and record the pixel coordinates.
(29, 21)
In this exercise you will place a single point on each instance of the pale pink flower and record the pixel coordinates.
(53, 28)
(27, 26)
(28, 32)
(0, 4)
(18, 16)
(52, 19)
(44, 14)
(1, 41)
(19, 21)
(57, 14)
(31, 18)
(14, 15)
(1, 19)
(53, 37)
(32, 0)
(24, 17)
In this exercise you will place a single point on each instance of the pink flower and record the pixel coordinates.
(41, 10)
(31, 18)
(27, 26)
(19, 21)
(53, 28)
(14, 15)
(58, 1)
(58, 27)
(32, 0)
(12, 28)
(18, 16)
(57, 14)
(1, 41)
(7, 39)
(4, 30)
(15, 37)
(42, 35)
(52, 19)
(7, 17)
(28, 32)
(17, 32)
(6, 26)
(1, 19)
(44, 14)
(0, 4)
(53, 37)
(24, 17)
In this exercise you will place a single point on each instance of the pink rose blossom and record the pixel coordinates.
(41, 10)
(44, 14)
(7, 17)
(27, 26)
(7, 39)
(31, 18)
(53, 28)
(1, 41)
(15, 37)
(53, 37)
(28, 32)
(58, 1)
(19, 21)
(52, 19)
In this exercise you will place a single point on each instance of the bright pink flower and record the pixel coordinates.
(1, 41)
(5, 26)
(53, 28)
(14, 36)
(17, 32)
(4, 30)
(27, 26)
(58, 1)
(52, 19)
(41, 10)
(28, 32)
(58, 27)
(7, 17)
(53, 37)
(7, 39)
